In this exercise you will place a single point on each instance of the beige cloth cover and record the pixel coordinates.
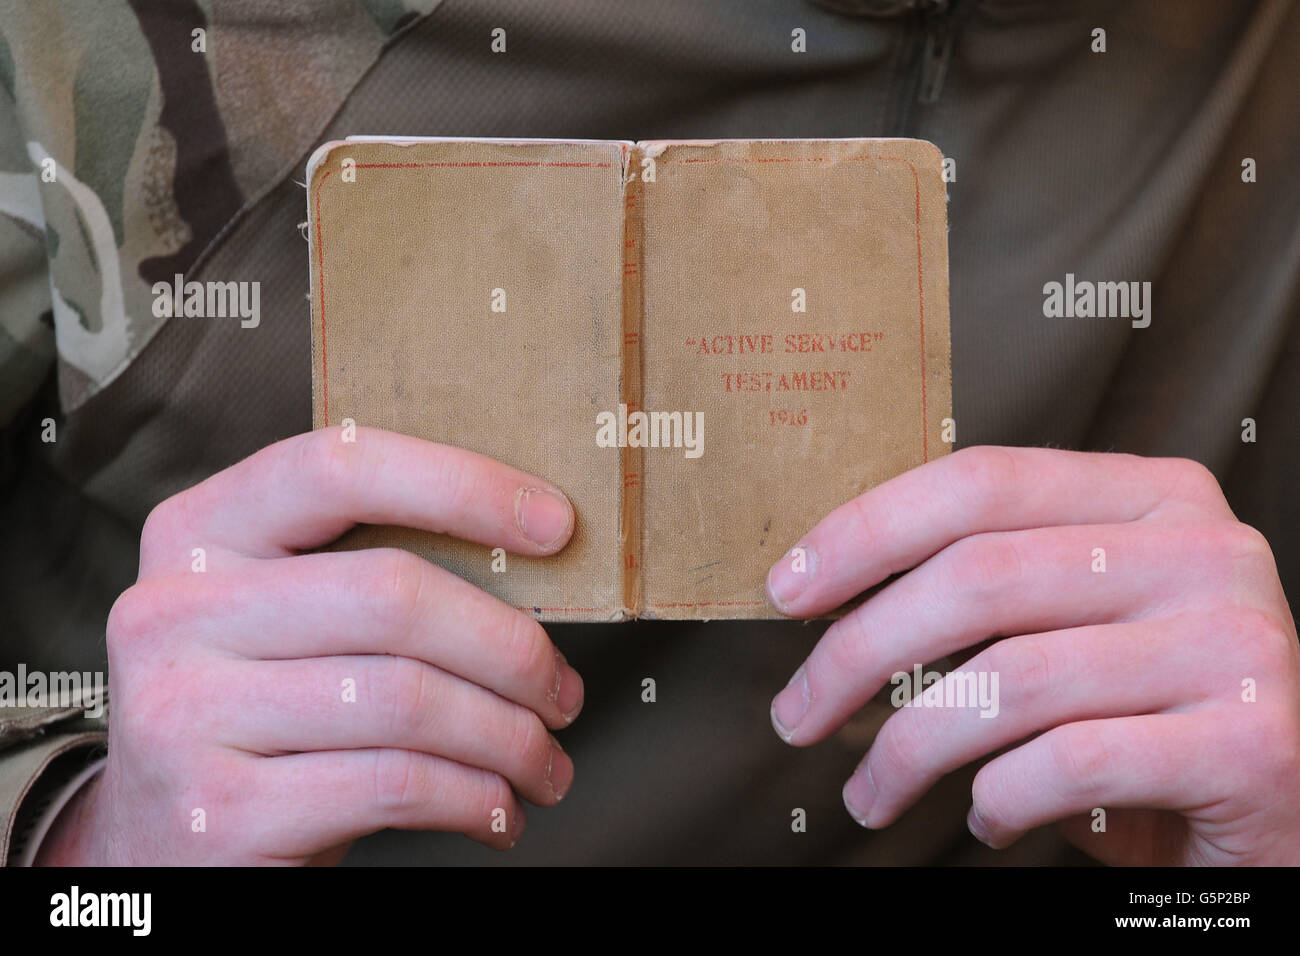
(501, 295)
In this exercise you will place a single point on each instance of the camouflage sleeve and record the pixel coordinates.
(41, 749)
(131, 134)
(26, 319)
(36, 776)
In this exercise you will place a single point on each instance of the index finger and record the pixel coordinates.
(307, 490)
(899, 524)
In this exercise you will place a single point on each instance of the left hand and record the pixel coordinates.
(1164, 689)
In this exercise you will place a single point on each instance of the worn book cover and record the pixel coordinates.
(707, 345)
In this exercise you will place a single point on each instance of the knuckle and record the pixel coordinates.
(984, 566)
(531, 658)
(389, 588)
(495, 795)
(460, 486)
(1215, 549)
(844, 650)
(162, 527)
(1192, 481)
(402, 577)
(1080, 759)
(1023, 666)
(862, 518)
(407, 696)
(1277, 742)
(901, 744)
(327, 462)
(1262, 641)
(148, 610)
(397, 783)
(1247, 546)
(986, 474)
(530, 743)
(130, 617)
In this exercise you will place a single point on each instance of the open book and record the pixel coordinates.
(707, 345)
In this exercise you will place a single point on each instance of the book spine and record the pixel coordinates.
(631, 379)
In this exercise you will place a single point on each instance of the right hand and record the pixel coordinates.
(227, 686)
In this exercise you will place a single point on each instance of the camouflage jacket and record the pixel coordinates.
(131, 134)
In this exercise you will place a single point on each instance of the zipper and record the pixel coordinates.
(937, 18)
(929, 32)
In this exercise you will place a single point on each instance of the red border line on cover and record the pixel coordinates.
(920, 286)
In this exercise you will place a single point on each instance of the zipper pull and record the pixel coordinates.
(937, 52)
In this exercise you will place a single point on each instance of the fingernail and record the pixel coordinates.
(790, 705)
(568, 689)
(559, 771)
(860, 793)
(789, 576)
(516, 828)
(543, 516)
(978, 828)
